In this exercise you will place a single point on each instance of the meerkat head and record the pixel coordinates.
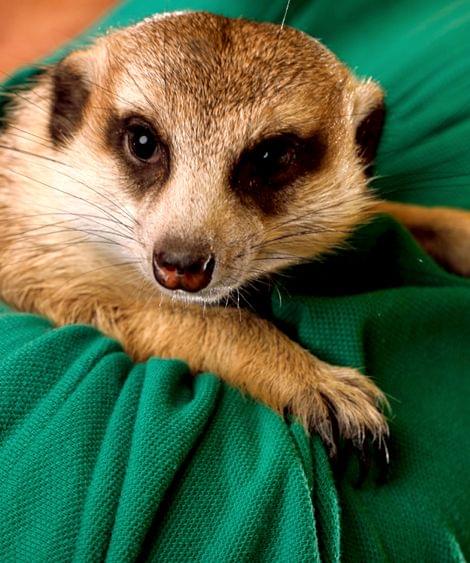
(238, 148)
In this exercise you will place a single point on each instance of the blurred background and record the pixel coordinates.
(30, 29)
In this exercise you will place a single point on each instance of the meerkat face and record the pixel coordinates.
(238, 148)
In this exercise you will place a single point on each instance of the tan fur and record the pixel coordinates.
(443, 232)
(77, 244)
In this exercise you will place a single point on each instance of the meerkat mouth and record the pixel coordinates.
(208, 296)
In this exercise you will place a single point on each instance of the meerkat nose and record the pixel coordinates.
(183, 270)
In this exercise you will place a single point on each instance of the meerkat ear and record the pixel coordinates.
(70, 94)
(369, 117)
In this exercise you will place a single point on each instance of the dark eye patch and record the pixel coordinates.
(143, 155)
(265, 170)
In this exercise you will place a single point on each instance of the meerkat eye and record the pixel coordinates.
(275, 162)
(141, 142)
(272, 160)
(274, 155)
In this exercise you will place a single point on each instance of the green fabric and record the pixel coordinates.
(102, 459)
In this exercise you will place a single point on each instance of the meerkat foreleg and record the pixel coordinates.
(246, 352)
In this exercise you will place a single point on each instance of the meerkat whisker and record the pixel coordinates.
(64, 192)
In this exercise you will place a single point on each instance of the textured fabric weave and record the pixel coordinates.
(101, 459)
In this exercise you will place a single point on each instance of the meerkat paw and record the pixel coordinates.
(341, 403)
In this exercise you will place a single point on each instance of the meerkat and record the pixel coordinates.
(149, 175)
